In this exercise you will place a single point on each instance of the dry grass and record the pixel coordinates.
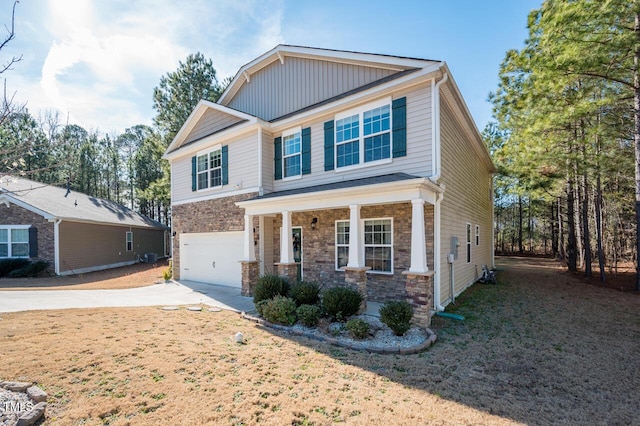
(540, 348)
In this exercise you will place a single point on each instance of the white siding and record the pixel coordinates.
(279, 89)
(467, 199)
(417, 161)
(211, 122)
(243, 158)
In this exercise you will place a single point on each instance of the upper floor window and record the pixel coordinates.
(373, 133)
(292, 154)
(209, 169)
(14, 241)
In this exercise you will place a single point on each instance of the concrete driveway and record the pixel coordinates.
(171, 293)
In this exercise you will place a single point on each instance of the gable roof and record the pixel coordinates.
(53, 202)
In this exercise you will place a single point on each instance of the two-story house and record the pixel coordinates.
(339, 167)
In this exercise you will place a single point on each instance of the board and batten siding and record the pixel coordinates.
(85, 246)
(279, 89)
(417, 161)
(243, 171)
(467, 199)
(267, 162)
(211, 122)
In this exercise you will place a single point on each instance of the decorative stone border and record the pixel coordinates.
(364, 346)
(35, 394)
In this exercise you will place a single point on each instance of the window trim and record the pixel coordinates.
(127, 242)
(468, 239)
(359, 111)
(208, 153)
(286, 133)
(10, 242)
(364, 245)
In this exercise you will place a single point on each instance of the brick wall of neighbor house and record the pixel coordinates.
(318, 248)
(217, 215)
(16, 215)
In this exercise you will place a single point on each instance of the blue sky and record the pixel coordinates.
(97, 61)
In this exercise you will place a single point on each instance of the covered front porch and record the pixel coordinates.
(375, 235)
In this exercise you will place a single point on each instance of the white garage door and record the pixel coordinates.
(212, 257)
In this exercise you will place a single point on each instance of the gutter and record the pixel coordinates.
(56, 244)
(436, 254)
(435, 129)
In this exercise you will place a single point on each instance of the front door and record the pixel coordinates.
(297, 249)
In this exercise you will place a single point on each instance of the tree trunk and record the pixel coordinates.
(572, 250)
(554, 229)
(585, 213)
(598, 205)
(520, 218)
(636, 116)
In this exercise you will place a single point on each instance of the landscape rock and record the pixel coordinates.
(16, 386)
(32, 416)
(37, 394)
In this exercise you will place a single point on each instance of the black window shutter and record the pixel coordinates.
(225, 165)
(399, 108)
(33, 242)
(194, 183)
(277, 159)
(328, 145)
(306, 150)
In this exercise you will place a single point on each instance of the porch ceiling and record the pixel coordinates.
(386, 189)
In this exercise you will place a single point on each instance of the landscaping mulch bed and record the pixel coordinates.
(541, 347)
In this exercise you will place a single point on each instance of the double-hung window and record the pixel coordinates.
(378, 244)
(129, 240)
(14, 241)
(209, 169)
(468, 243)
(363, 135)
(292, 153)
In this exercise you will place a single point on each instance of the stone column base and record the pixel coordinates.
(250, 275)
(419, 287)
(356, 278)
(288, 271)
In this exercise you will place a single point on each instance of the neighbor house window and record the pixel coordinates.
(342, 243)
(363, 135)
(292, 154)
(129, 240)
(14, 241)
(209, 169)
(477, 235)
(468, 243)
(378, 245)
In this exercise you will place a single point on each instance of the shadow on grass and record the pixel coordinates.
(536, 349)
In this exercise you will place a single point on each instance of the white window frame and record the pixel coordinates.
(359, 111)
(468, 239)
(338, 267)
(477, 235)
(9, 242)
(210, 152)
(128, 240)
(286, 133)
(364, 245)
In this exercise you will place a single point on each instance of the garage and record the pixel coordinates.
(212, 257)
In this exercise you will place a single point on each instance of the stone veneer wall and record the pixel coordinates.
(319, 247)
(217, 215)
(16, 215)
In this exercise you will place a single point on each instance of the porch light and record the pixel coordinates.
(314, 222)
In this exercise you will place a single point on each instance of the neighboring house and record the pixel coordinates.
(74, 232)
(370, 165)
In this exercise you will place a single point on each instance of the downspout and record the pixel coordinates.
(435, 129)
(56, 245)
(436, 254)
(260, 188)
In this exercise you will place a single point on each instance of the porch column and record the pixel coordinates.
(286, 242)
(418, 240)
(356, 254)
(249, 250)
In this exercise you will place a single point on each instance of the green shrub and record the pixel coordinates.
(397, 316)
(341, 302)
(358, 328)
(268, 287)
(305, 293)
(309, 315)
(30, 270)
(279, 310)
(8, 265)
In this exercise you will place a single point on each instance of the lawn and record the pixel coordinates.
(540, 348)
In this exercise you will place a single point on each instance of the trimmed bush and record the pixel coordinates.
(268, 287)
(397, 316)
(309, 315)
(358, 328)
(340, 302)
(305, 293)
(8, 265)
(30, 270)
(279, 310)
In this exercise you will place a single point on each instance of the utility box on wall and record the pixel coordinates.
(454, 247)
